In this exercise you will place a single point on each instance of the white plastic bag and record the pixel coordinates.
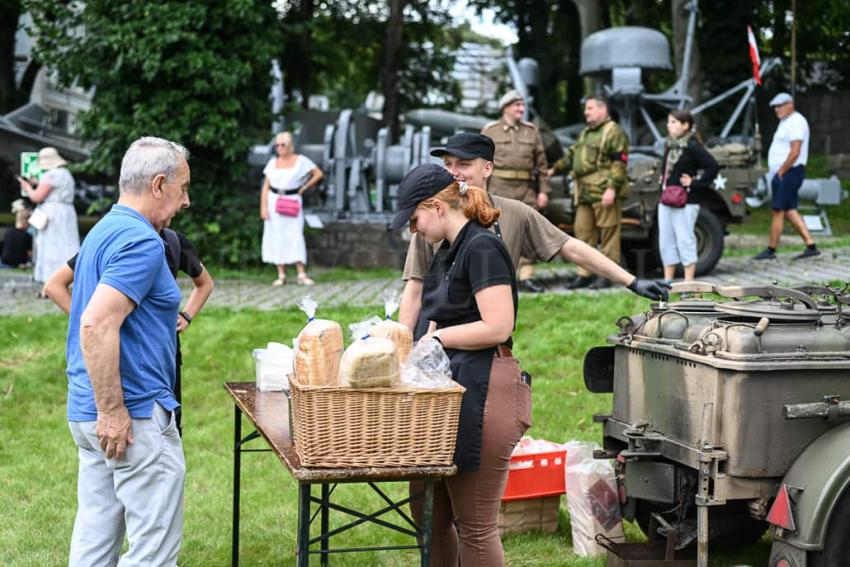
(393, 330)
(274, 364)
(428, 366)
(592, 499)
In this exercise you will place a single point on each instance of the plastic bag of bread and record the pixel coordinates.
(393, 330)
(370, 362)
(318, 349)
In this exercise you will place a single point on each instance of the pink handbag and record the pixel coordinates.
(287, 206)
(674, 196)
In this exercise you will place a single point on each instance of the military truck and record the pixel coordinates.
(740, 173)
(731, 415)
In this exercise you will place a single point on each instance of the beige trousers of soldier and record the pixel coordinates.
(598, 225)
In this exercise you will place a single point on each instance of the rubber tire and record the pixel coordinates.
(710, 245)
(749, 529)
(836, 549)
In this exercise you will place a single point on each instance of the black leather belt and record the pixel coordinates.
(284, 191)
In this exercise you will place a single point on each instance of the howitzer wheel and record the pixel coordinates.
(710, 245)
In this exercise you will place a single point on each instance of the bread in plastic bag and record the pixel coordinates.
(428, 366)
(318, 349)
(592, 499)
(393, 330)
(370, 362)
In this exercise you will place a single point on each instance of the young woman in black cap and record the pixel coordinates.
(470, 298)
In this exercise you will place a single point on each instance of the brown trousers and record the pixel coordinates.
(466, 506)
(598, 225)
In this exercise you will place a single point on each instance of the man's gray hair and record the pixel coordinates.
(146, 158)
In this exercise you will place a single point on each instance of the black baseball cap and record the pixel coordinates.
(420, 183)
(467, 146)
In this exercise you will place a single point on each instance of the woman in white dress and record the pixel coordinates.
(54, 195)
(287, 176)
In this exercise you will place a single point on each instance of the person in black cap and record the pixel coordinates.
(525, 232)
(470, 299)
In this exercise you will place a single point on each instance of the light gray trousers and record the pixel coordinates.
(141, 494)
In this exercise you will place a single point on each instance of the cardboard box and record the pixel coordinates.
(533, 514)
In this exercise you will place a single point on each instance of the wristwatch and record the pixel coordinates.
(187, 317)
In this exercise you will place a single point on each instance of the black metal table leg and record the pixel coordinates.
(325, 522)
(303, 544)
(427, 522)
(237, 468)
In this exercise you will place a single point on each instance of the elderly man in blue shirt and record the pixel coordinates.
(121, 369)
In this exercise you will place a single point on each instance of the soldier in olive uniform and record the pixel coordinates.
(600, 183)
(519, 165)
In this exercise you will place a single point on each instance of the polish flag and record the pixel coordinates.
(754, 55)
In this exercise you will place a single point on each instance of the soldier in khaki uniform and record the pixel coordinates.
(519, 165)
(600, 183)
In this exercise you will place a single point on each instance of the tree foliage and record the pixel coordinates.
(346, 55)
(194, 72)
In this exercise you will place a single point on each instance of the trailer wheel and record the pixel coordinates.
(730, 526)
(836, 547)
(709, 233)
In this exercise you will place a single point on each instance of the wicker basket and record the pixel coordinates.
(374, 427)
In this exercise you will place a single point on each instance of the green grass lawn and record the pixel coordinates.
(38, 458)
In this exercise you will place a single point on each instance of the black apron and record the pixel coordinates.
(470, 368)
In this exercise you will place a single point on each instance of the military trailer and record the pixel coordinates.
(731, 416)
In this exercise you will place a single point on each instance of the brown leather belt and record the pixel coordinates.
(512, 174)
(503, 352)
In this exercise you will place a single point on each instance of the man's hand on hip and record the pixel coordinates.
(608, 197)
(115, 431)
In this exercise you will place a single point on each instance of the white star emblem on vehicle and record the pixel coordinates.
(720, 182)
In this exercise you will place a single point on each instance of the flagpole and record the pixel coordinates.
(793, 48)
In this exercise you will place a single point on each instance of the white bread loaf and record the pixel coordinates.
(397, 333)
(318, 354)
(369, 363)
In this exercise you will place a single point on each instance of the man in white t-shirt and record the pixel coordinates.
(786, 160)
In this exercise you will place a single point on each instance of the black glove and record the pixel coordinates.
(650, 289)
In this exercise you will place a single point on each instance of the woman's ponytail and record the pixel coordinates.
(476, 205)
(473, 201)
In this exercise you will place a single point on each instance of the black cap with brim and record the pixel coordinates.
(420, 183)
(467, 146)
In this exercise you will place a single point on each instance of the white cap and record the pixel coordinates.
(509, 97)
(780, 99)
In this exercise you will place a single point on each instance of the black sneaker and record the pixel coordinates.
(807, 253)
(766, 254)
(581, 281)
(600, 283)
(531, 286)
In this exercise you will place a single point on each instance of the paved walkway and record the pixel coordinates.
(18, 291)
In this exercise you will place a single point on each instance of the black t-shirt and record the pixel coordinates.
(478, 259)
(17, 245)
(189, 262)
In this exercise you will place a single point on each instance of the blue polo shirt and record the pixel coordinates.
(124, 252)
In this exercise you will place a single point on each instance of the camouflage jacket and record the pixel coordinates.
(598, 160)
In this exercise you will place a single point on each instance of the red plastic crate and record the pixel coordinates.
(536, 475)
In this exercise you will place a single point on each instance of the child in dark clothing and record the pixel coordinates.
(17, 242)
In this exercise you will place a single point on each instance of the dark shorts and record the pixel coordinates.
(784, 189)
